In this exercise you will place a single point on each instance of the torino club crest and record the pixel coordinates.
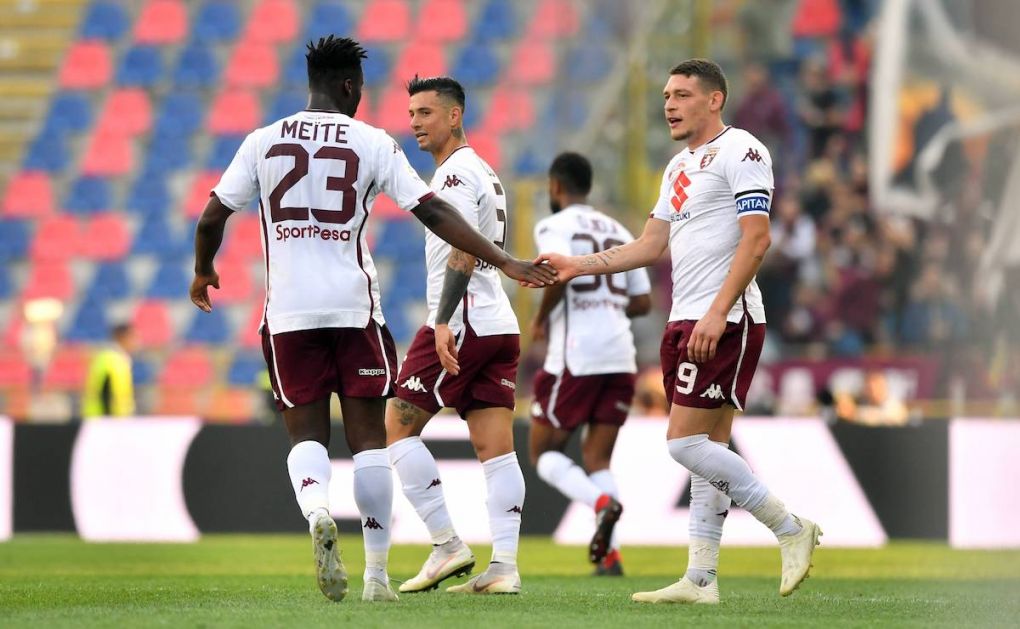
(709, 156)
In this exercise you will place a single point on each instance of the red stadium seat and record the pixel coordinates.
(510, 109)
(533, 63)
(14, 371)
(173, 402)
(385, 21)
(253, 65)
(56, 238)
(365, 112)
(198, 194)
(152, 324)
(554, 19)
(423, 59)
(188, 369)
(236, 284)
(67, 369)
(162, 22)
(817, 18)
(235, 111)
(442, 21)
(127, 111)
(232, 405)
(108, 155)
(273, 22)
(29, 194)
(248, 335)
(49, 279)
(87, 65)
(487, 147)
(392, 112)
(106, 238)
(386, 208)
(244, 240)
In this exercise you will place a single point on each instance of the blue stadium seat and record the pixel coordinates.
(223, 150)
(398, 324)
(149, 195)
(377, 66)
(295, 73)
(245, 368)
(420, 160)
(170, 282)
(47, 153)
(141, 66)
(69, 111)
(181, 114)
(14, 240)
(566, 110)
(533, 162)
(285, 103)
(587, 63)
(88, 195)
(89, 323)
(476, 65)
(142, 371)
(216, 21)
(208, 327)
(104, 20)
(6, 285)
(496, 21)
(196, 67)
(109, 282)
(167, 152)
(327, 18)
(156, 237)
(400, 239)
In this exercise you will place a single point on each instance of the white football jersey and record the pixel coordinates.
(317, 175)
(589, 331)
(467, 183)
(704, 192)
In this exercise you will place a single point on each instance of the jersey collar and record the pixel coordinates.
(718, 135)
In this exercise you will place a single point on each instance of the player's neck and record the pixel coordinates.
(321, 102)
(455, 141)
(710, 131)
(568, 201)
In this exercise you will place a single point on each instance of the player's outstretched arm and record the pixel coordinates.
(643, 251)
(445, 221)
(208, 236)
(459, 268)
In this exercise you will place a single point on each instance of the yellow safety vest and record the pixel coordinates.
(109, 386)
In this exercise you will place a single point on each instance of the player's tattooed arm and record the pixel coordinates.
(459, 268)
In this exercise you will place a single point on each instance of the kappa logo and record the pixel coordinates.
(713, 392)
(372, 523)
(753, 155)
(414, 384)
(508, 384)
(371, 372)
(514, 509)
(308, 481)
(536, 409)
(721, 485)
(435, 483)
(452, 181)
(623, 407)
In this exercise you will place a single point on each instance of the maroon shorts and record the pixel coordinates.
(487, 379)
(308, 365)
(723, 380)
(567, 401)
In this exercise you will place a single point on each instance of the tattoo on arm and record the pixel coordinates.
(459, 268)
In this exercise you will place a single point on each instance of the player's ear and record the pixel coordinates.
(456, 116)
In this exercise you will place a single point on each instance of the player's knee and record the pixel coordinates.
(594, 460)
(688, 451)
(552, 464)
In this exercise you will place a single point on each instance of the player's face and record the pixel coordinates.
(431, 121)
(688, 105)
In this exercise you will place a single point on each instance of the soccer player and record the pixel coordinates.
(464, 357)
(713, 212)
(588, 377)
(316, 175)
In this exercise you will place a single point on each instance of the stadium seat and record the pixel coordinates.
(385, 21)
(6, 283)
(89, 324)
(110, 281)
(106, 237)
(285, 103)
(198, 195)
(232, 405)
(273, 22)
(142, 372)
(420, 160)
(326, 18)
(532, 63)
(126, 112)
(156, 237)
(162, 22)
(88, 195)
(496, 21)
(175, 402)
(47, 153)
(554, 19)
(152, 324)
(188, 369)
(441, 21)
(376, 66)
(108, 155)
(817, 19)
(104, 20)
(180, 114)
(15, 373)
(170, 282)
(14, 240)
(48, 279)
(216, 21)
(566, 110)
(87, 66)
(245, 368)
(391, 114)
(400, 239)
(252, 65)
(69, 111)
(235, 111)
(67, 369)
(196, 67)
(209, 327)
(58, 237)
(244, 238)
(295, 72)
(166, 152)
(510, 109)
(236, 284)
(423, 59)
(587, 64)
(487, 145)
(476, 65)
(248, 334)
(532, 163)
(29, 194)
(141, 66)
(149, 195)
(222, 152)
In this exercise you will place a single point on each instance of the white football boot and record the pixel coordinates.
(442, 564)
(376, 590)
(497, 579)
(684, 592)
(329, 570)
(796, 551)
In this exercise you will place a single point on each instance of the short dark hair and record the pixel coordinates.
(573, 171)
(708, 73)
(445, 86)
(120, 330)
(333, 58)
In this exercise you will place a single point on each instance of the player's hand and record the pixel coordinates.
(705, 337)
(446, 347)
(537, 330)
(531, 275)
(200, 290)
(565, 266)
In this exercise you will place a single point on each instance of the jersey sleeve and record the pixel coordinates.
(548, 239)
(663, 209)
(749, 173)
(239, 184)
(396, 177)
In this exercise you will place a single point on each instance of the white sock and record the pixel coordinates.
(730, 474)
(373, 493)
(419, 477)
(709, 508)
(603, 479)
(556, 469)
(310, 470)
(505, 502)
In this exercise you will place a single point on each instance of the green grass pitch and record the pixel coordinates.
(246, 581)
